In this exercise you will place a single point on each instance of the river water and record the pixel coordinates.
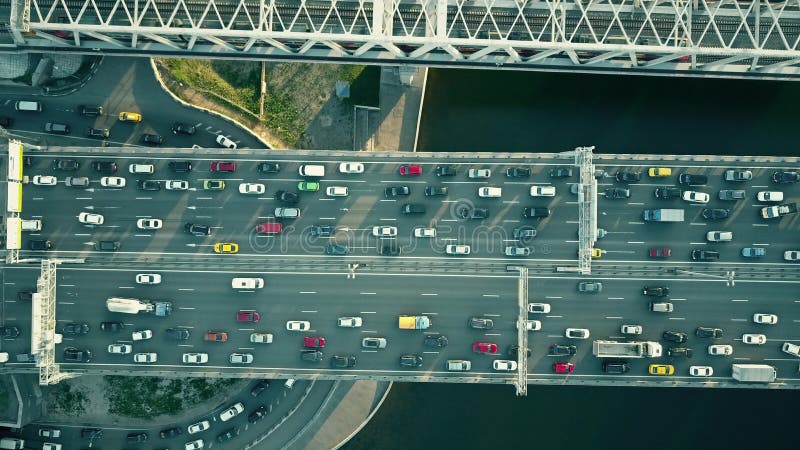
(471, 110)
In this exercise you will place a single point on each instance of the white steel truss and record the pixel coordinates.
(751, 38)
(587, 208)
(43, 329)
(522, 332)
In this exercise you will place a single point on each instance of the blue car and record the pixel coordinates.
(754, 252)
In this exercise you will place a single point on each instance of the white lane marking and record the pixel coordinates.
(187, 308)
(491, 295)
(698, 224)
(616, 298)
(738, 320)
(554, 317)
(125, 287)
(552, 296)
(677, 318)
(572, 242)
(368, 312)
(635, 242)
(760, 245)
(760, 225)
(637, 204)
(425, 294)
(308, 292)
(390, 220)
(698, 243)
(66, 285)
(635, 223)
(368, 293)
(677, 299)
(185, 289)
(740, 300)
(613, 317)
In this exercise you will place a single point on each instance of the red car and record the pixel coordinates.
(269, 228)
(410, 170)
(660, 252)
(314, 342)
(216, 336)
(484, 348)
(223, 166)
(247, 315)
(563, 367)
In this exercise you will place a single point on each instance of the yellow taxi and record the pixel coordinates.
(130, 117)
(597, 253)
(226, 247)
(656, 172)
(661, 369)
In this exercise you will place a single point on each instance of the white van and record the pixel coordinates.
(289, 383)
(458, 365)
(247, 283)
(51, 446)
(141, 168)
(312, 170)
(31, 225)
(490, 192)
(28, 106)
(9, 443)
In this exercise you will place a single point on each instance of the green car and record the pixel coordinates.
(308, 186)
(213, 185)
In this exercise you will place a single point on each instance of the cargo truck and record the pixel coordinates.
(771, 212)
(414, 322)
(754, 373)
(663, 215)
(614, 349)
(136, 306)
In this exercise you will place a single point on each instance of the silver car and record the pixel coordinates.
(592, 287)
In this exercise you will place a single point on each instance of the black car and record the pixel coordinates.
(628, 177)
(25, 296)
(40, 244)
(182, 128)
(716, 213)
(260, 387)
(336, 249)
(91, 433)
(287, 198)
(412, 208)
(257, 414)
(343, 361)
(410, 360)
(473, 213)
(432, 191)
(435, 340)
(615, 367)
(480, 323)
(705, 255)
(6, 122)
(674, 336)
(518, 172)
(90, 110)
(561, 350)
(109, 167)
(136, 437)
(655, 291)
(667, 193)
(692, 179)
(617, 193)
(390, 250)
(560, 172)
(180, 166)
(97, 133)
(179, 334)
(708, 332)
(108, 246)
(785, 176)
(197, 230)
(322, 230)
(394, 191)
(535, 212)
(73, 354)
(56, 128)
(152, 139)
(312, 355)
(267, 167)
(445, 171)
(679, 351)
(75, 329)
(524, 233)
(67, 165)
(112, 326)
(514, 349)
(170, 433)
(9, 332)
(149, 185)
(228, 434)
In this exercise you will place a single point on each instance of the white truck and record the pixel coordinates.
(662, 215)
(754, 373)
(771, 212)
(614, 349)
(136, 306)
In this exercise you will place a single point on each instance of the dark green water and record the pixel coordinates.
(512, 111)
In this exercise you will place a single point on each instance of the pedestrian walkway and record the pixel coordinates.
(401, 97)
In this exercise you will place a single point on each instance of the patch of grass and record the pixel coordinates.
(67, 400)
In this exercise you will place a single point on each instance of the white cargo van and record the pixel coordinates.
(289, 383)
(31, 225)
(247, 283)
(458, 365)
(312, 170)
(8, 443)
(28, 106)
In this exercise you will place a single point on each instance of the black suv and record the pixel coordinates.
(615, 367)
(24, 296)
(258, 414)
(56, 128)
(112, 326)
(322, 230)
(716, 213)
(705, 255)
(228, 434)
(628, 177)
(783, 176)
(40, 244)
(179, 334)
(73, 354)
(108, 246)
(518, 172)
(617, 193)
(708, 332)
(674, 336)
(170, 433)
(67, 165)
(655, 291)
(9, 332)
(267, 167)
(445, 171)
(412, 208)
(109, 167)
(90, 110)
(152, 139)
(343, 361)
(524, 233)
(260, 387)
(561, 350)
(432, 191)
(312, 355)
(435, 340)
(75, 329)
(667, 193)
(6, 122)
(480, 323)
(197, 230)
(534, 212)
(287, 198)
(136, 437)
(514, 349)
(182, 128)
(410, 360)
(97, 133)
(680, 351)
(473, 213)
(390, 250)
(149, 185)
(692, 180)
(560, 172)
(394, 191)
(180, 166)
(91, 433)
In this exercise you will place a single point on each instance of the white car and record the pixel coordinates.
(769, 196)
(252, 188)
(45, 180)
(383, 231)
(241, 358)
(247, 283)
(142, 335)
(479, 173)
(454, 249)
(225, 142)
(351, 167)
(543, 191)
(231, 412)
(120, 349)
(112, 182)
(577, 333)
(145, 358)
(298, 325)
(720, 349)
(504, 365)
(538, 308)
(349, 322)
(198, 427)
(261, 338)
(337, 191)
(532, 325)
(423, 232)
(195, 358)
(141, 168)
(701, 371)
(490, 192)
(149, 224)
(719, 236)
(194, 445)
(754, 339)
(695, 197)
(148, 278)
(631, 329)
(791, 349)
(90, 218)
(791, 255)
(177, 185)
(769, 319)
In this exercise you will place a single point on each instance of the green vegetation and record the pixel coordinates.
(67, 400)
(148, 397)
